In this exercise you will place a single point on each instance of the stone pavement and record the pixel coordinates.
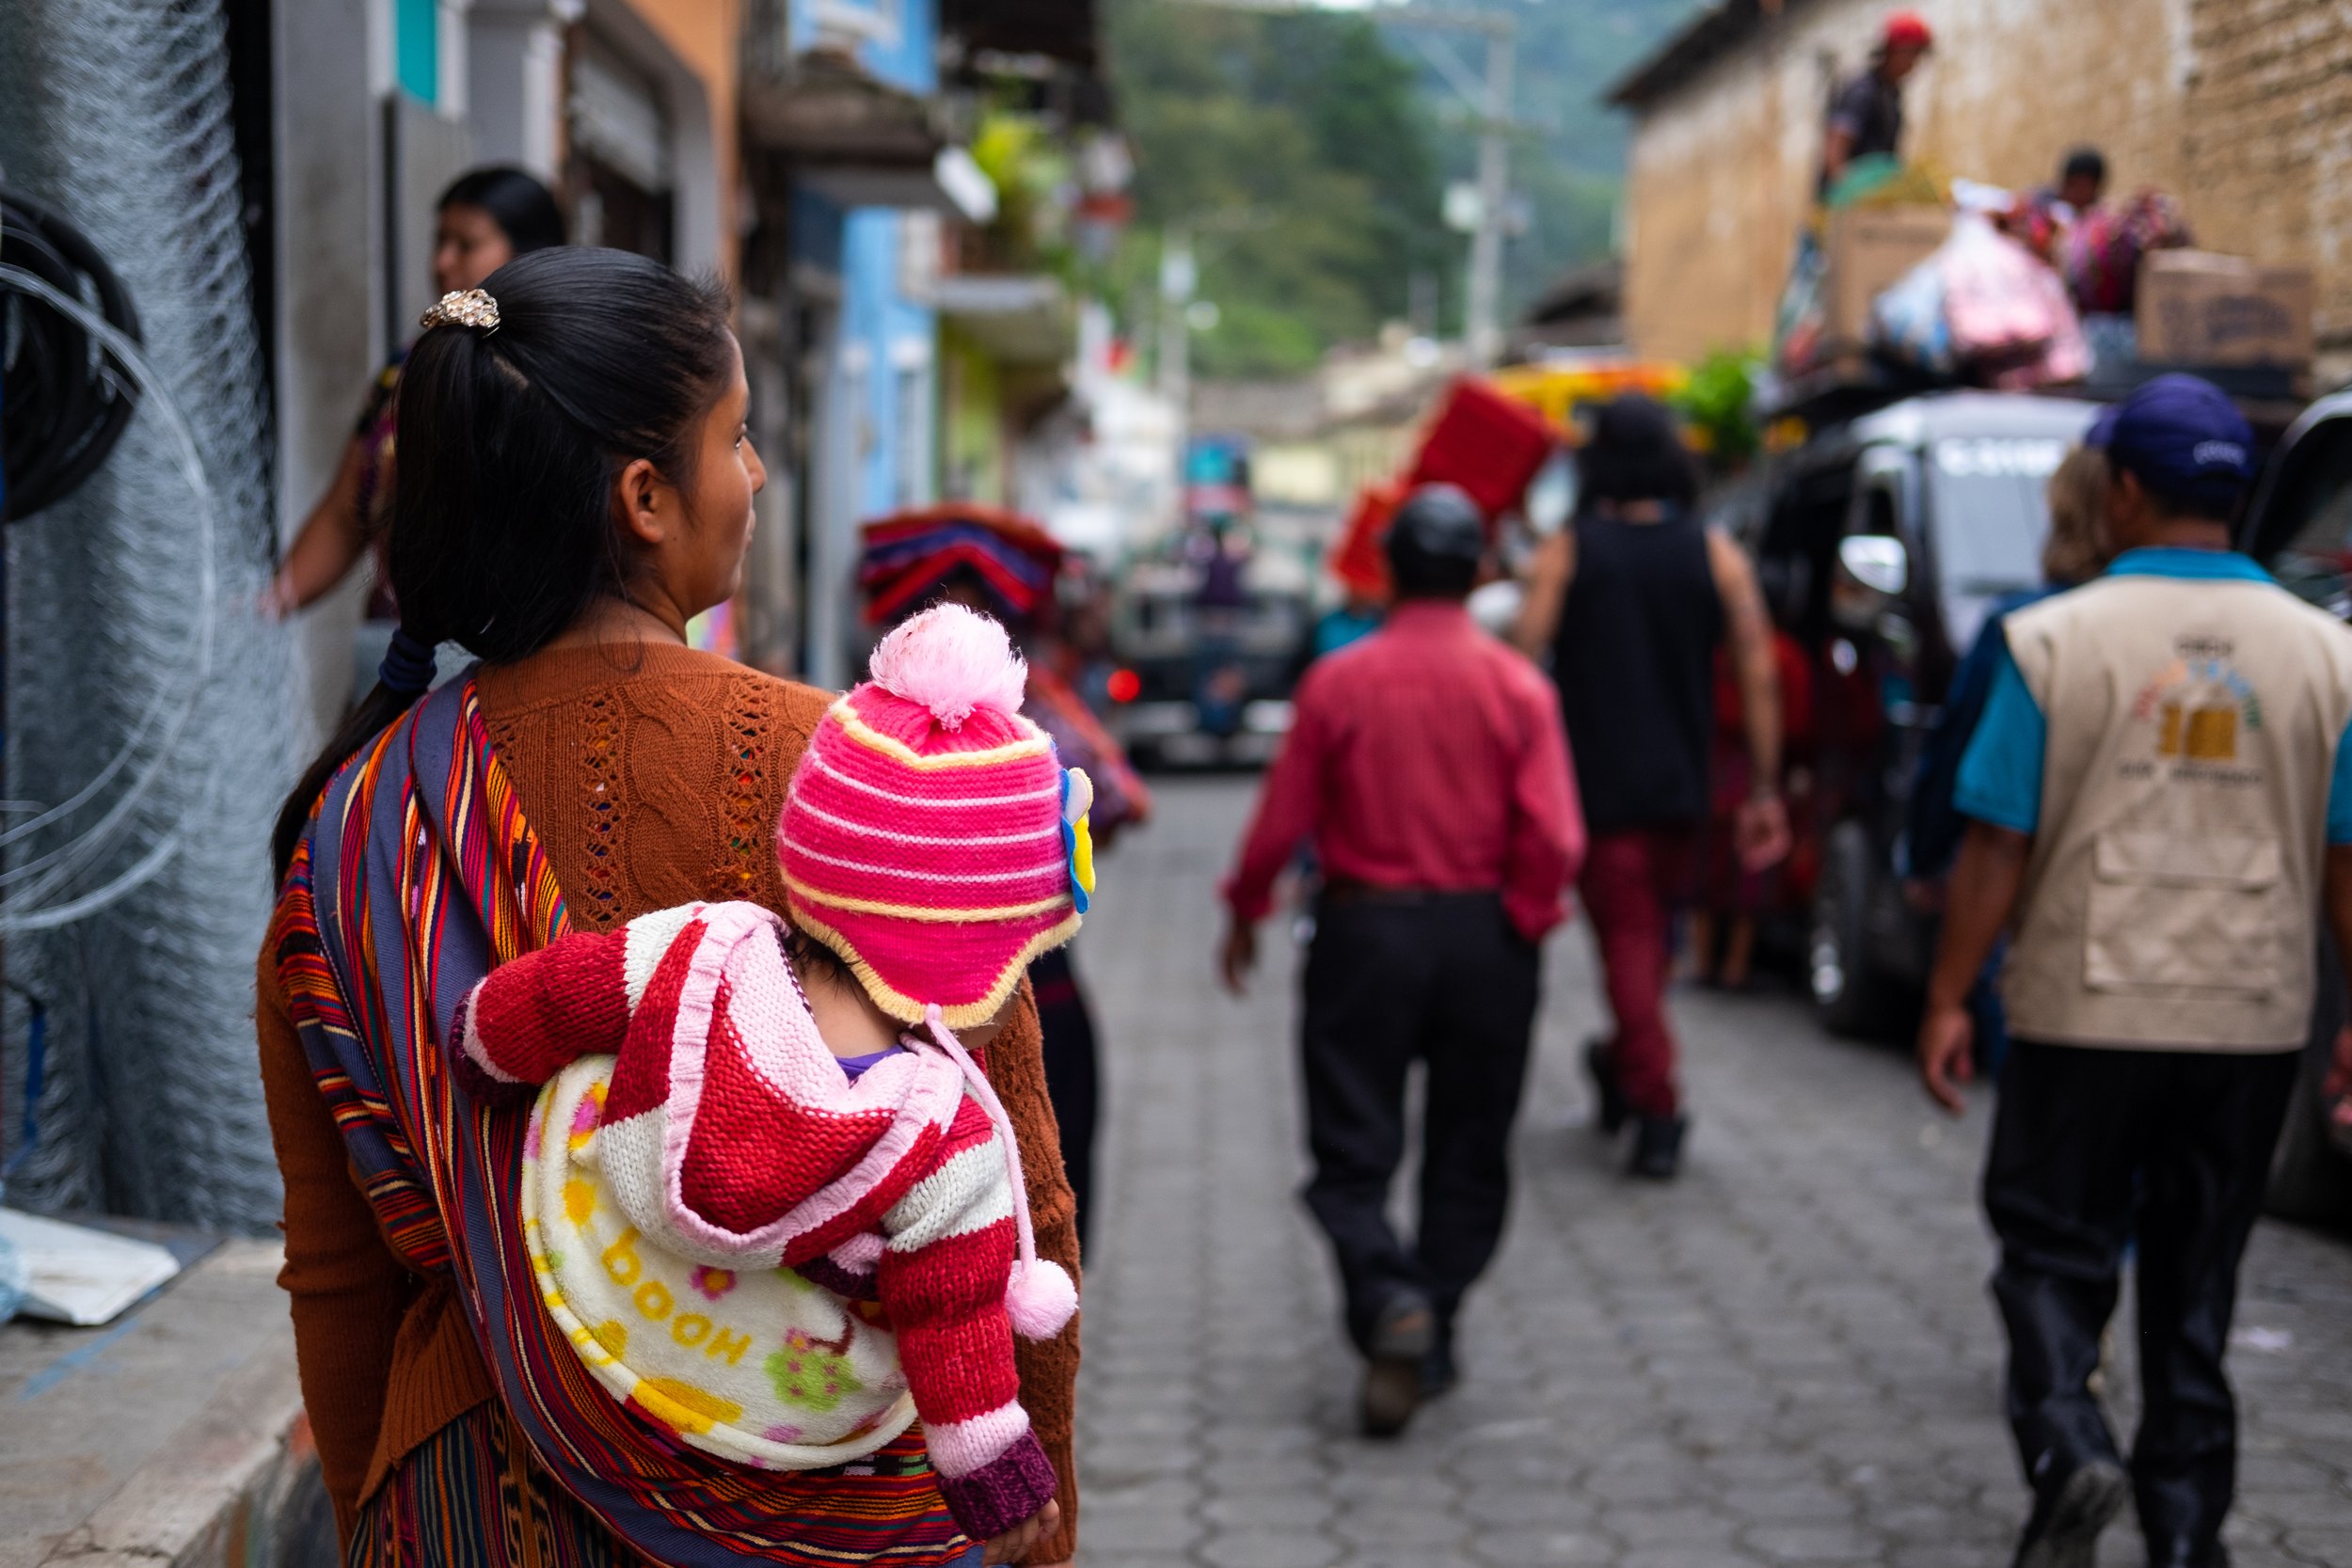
(1786, 1358)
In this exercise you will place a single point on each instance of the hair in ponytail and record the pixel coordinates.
(503, 529)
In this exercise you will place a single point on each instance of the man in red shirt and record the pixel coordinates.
(1428, 765)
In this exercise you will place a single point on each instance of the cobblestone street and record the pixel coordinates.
(1789, 1358)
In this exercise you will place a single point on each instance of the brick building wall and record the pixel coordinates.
(2242, 108)
(2267, 146)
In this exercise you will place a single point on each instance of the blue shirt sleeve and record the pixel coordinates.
(2000, 777)
(2340, 792)
(1932, 826)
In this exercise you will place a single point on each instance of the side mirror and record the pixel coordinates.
(1873, 569)
(1877, 561)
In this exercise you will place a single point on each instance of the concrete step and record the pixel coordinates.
(173, 1435)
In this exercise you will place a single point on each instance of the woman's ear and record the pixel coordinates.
(638, 498)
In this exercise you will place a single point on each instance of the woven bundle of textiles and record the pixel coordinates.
(908, 556)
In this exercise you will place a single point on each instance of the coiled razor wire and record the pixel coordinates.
(155, 715)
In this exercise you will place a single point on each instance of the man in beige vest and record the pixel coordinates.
(2160, 799)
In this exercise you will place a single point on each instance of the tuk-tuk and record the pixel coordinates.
(1200, 685)
(2298, 526)
(1880, 544)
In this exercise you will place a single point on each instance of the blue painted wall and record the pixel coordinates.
(417, 48)
(862, 246)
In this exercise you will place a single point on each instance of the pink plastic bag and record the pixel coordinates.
(2008, 313)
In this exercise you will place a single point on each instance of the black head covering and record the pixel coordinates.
(1436, 541)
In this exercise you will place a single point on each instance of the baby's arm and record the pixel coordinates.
(536, 1015)
(948, 1252)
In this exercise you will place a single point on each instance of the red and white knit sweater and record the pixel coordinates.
(731, 1137)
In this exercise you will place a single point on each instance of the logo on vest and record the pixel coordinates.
(2198, 709)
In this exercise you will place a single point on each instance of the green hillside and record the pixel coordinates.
(1309, 151)
(1569, 170)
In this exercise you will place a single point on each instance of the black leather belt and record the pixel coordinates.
(1340, 892)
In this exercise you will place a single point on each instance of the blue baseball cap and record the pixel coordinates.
(2181, 436)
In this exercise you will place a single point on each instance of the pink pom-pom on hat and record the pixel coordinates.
(952, 661)
(923, 837)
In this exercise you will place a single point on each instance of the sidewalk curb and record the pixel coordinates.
(235, 1486)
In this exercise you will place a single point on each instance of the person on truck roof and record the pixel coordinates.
(1867, 115)
(2082, 180)
(2161, 802)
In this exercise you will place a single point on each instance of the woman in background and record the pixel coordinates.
(1732, 894)
(2076, 550)
(486, 218)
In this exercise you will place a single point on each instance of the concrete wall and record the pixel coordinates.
(705, 34)
(2175, 92)
(330, 60)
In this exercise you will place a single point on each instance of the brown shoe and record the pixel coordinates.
(1401, 1339)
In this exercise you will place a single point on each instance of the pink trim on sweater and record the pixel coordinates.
(960, 1447)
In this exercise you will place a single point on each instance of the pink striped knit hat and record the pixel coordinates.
(930, 838)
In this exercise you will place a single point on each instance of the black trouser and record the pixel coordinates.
(1446, 978)
(2090, 1149)
(1066, 1029)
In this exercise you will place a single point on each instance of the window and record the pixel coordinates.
(2311, 511)
(622, 161)
(1990, 508)
(913, 391)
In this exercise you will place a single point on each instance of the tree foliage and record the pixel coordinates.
(1297, 152)
(1309, 154)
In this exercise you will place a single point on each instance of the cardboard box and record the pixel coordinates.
(2196, 307)
(1870, 248)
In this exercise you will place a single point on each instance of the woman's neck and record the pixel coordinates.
(609, 619)
(1633, 511)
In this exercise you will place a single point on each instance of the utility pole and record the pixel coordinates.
(1180, 278)
(1488, 99)
(1482, 325)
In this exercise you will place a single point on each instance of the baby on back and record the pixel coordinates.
(772, 1199)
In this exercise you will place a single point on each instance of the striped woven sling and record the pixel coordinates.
(417, 876)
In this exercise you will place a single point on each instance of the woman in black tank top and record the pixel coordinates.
(1630, 603)
(1634, 659)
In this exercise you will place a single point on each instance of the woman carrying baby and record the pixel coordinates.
(573, 485)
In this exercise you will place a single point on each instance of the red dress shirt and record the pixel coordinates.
(1427, 755)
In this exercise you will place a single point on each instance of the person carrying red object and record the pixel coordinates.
(1485, 443)
(1631, 601)
(1428, 765)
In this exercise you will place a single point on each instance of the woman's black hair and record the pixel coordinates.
(524, 210)
(502, 532)
(1635, 454)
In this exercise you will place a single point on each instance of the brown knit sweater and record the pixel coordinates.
(653, 775)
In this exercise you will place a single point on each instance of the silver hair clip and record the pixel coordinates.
(462, 308)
